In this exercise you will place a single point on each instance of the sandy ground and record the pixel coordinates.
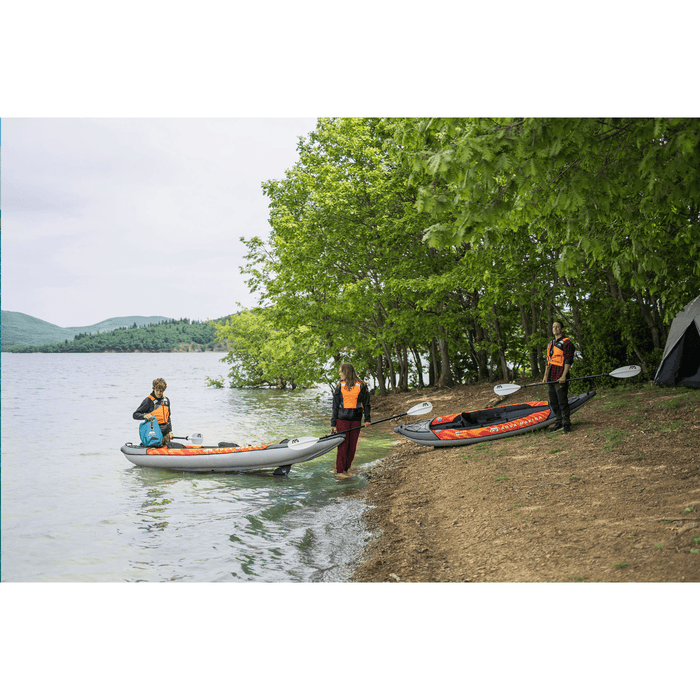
(618, 499)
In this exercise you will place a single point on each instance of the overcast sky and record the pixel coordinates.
(124, 217)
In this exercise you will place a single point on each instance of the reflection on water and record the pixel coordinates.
(79, 511)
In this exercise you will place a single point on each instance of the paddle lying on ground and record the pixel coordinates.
(417, 410)
(619, 373)
(196, 438)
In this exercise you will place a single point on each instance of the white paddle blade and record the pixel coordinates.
(420, 408)
(505, 389)
(196, 438)
(302, 443)
(626, 372)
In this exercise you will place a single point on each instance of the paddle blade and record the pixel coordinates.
(505, 389)
(626, 372)
(420, 408)
(196, 438)
(301, 443)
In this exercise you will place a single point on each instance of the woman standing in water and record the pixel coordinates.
(350, 401)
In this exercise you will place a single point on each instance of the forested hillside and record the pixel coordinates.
(166, 336)
(23, 329)
(457, 242)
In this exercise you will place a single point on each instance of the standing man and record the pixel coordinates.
(157, 406)
(560, 357)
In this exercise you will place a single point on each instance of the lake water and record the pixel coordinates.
(75, 510)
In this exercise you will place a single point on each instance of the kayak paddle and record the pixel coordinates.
(619, 373)
(196, 438)
(417, 410)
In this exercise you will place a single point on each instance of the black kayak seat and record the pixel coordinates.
(469, 419)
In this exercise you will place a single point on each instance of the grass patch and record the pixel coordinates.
(614, 438)
(616, 403)
(621, 565)
(636, 418)
(689, 509)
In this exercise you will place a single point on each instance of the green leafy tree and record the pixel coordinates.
(263, 354)
(602, 206)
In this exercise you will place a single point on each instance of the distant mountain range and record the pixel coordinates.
(22, 329)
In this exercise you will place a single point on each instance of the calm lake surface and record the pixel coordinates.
(75, 510)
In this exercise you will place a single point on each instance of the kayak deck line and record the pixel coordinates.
(197, 450)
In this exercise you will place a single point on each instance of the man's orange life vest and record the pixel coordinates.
(161, 411)
(555, 352)
(351, 396)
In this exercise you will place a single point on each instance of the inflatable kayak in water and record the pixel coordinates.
(193, 458)
(487, 424)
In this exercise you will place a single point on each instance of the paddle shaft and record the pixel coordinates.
(619, 373)
(417, 410)
(569, 379)
(359, 427)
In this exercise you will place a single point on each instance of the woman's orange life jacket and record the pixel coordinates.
(351, 395)
(555, 352)
(161, 411)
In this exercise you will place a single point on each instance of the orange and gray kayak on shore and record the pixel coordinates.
(278, 457)
(487, 424)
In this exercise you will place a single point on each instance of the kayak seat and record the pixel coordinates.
(469, 419)
(175, 446)
(228, 444)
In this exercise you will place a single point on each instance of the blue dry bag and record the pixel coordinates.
(151, 435)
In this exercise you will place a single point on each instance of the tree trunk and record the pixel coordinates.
(482, 359)
(501, 344)
(419, 367)
(655, 335)
(390, 365)
(446, 374)
(534, 367)
(434, 363)
(402, 355)
(380, 376)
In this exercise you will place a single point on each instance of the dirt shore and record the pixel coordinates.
(618, 499)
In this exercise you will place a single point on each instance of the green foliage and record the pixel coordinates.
(165, 336)
(345, 249)
(263, 353)
(457, 242)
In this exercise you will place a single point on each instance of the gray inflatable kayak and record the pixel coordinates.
(278, 457)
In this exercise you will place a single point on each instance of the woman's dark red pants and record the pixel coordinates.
(346, 451)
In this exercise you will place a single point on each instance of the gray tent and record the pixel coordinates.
(680, 365)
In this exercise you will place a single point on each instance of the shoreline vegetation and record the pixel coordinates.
(447, 247)
(616, 500)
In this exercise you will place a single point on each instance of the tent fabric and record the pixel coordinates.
(680, 365)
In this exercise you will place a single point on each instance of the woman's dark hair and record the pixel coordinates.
(351, 377)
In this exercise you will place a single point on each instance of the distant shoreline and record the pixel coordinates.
(113, 352)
